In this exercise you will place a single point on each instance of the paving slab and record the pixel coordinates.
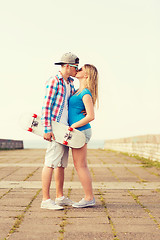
(138, 236)
(127, 199)
(87, 235)
(77, 185)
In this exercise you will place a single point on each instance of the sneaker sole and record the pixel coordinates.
(89, 205)
(64, 204)
(53, 208)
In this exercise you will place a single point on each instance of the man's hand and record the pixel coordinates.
(49, 136)
(84, 112)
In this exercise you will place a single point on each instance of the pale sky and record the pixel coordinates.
(120, 37)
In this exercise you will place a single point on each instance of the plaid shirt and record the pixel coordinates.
(54, 100)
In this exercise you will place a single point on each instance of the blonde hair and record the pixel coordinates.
(92, 81)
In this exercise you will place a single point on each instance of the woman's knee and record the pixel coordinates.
(80, 165)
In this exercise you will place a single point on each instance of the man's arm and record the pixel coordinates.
(49, 100)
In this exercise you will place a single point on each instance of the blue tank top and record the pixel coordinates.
(76, 106)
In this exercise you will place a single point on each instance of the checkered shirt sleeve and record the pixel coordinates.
(49, 100)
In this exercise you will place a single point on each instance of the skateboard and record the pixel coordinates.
(65, 135)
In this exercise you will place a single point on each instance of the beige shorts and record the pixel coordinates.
(56, 155)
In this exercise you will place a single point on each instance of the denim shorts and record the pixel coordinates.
(88, 133)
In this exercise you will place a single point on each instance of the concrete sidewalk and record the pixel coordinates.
(127, 199)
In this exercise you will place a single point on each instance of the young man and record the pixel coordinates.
(55, 108)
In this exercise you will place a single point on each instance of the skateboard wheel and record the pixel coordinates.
(34, 115)
(65, 143)
(70, 129)
(30, 129)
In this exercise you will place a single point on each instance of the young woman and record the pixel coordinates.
(84, 99)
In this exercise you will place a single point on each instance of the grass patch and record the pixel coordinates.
(147, 163)
(31, 174)
(135, 197)
(108, 216)
(6, 193)
(64, 221)
(150, 163)
(20, 218)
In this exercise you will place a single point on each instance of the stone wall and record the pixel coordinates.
(147, 146)
(11, 144)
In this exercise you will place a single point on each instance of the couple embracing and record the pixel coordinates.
(65, 105)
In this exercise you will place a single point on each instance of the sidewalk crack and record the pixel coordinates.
(20, 218)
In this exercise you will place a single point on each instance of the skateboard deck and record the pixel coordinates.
(63, 134)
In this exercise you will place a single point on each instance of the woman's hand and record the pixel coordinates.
(73, 125)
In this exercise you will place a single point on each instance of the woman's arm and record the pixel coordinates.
(88, 103)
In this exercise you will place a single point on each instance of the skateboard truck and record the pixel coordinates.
(34, 123)
(68, 136)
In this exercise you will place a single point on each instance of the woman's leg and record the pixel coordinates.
(80, 163)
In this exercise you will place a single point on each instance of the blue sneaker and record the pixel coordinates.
(83, 203)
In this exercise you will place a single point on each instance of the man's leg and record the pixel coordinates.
(54, 154)
(47, 203)
(59, 181)
(46, 181)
